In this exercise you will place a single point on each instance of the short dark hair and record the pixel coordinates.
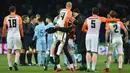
(24, 17)
(95, 10)
(113, 13)
(40, 19)
(32, 17)
(50, 18)
(12, 9)
(76, 10)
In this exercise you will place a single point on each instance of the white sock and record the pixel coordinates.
(74, 60)
(120, 60)
(94, 60)
(17, 55)
(71, 65)
(108, 62)
(88, 57)
(58, 66)
(68, 66)
(9, 57)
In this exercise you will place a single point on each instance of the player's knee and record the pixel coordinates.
(120, 54)
(9, 51)
(109, 54)
(110, 47)
(29, 52)
(17, 50)
(22, 51)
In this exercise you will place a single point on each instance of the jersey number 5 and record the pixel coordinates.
(93, 24)
(115, 28)
(12, 23)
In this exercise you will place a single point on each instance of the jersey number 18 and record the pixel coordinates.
(12, 23)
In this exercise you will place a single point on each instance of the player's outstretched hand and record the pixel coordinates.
(3, 40)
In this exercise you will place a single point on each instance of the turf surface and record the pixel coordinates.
(36, 69)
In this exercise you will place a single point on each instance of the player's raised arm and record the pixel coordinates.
(106, 34)
(85, 25)
(125, 30)
(4, 27)
(21, 27)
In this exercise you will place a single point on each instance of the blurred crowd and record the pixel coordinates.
(50, 7)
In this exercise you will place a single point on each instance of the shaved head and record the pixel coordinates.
(69, 5)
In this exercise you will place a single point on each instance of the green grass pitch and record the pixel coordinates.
(36, 69)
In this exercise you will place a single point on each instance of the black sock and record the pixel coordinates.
(83, 62)
(29, 58)
(35, 56)
(67, 54)
(22, 58)
(57, 59)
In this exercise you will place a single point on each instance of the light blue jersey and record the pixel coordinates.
(40, 35)
(49, 36)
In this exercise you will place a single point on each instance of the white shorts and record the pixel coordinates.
(58, 36)
(91, 43)
(116, 44)
(14, 43)
(61, 36)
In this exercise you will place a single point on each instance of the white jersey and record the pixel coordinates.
(93, 24)
(115, 29)
(64, 17)
(14, 24)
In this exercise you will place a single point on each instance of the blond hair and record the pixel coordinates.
(68, 4)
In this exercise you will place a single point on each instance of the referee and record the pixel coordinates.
(126, 46)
